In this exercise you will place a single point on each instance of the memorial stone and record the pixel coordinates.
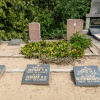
(73, 26)
(15, 42)
(2, 69)
(34, 31)
(36, 74)
(93, 18)
(87, 75)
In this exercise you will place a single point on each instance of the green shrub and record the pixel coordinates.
(49, 49)
(80, 40)
(15, 15)
(76, 51)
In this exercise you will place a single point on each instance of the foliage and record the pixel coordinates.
(51, 14)
(80, 40)
(76, 51)
(49, 49)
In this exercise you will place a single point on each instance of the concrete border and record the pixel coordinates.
(20, 70)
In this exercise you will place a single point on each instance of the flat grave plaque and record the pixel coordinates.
(87, 75)
(2, 69)
(15, 42)
(36, 74)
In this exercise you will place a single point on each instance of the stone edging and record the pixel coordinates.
(20, 70)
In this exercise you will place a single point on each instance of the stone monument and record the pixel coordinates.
(73, 26)
(94, 15)
(93, 19)
(34, 31)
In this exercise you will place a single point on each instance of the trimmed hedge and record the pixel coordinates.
(51, 14)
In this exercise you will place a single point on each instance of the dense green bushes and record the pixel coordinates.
(57, 50)
(51, 14)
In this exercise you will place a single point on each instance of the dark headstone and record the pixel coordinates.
(36, 74)
(73, 26)
(2, 69)
(94, 22)
(93, 18)
(34, 31)
(87, 76)
(15, 42)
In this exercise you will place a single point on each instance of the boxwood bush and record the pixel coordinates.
(57, 50)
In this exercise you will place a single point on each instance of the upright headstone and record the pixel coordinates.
(93, 18)
(34, 31)
(73, 26)
(2, 69)
(87, 75)
(36, 74)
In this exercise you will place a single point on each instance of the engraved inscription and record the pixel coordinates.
(94, 22)
(87, 76)
(36, 74)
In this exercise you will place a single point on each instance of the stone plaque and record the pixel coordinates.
(34, 31)
(36, 74)
(87, 75)
(15, 42)
(2, 69)
(73, 26)
(94, 22)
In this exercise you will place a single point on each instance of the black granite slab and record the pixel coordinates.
(87, 75)
(15, 42)
(94, 22)
(36, 74)
(2, 69)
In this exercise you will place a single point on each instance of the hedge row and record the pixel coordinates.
(51, 14)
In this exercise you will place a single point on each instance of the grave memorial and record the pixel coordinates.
(87, 75)
(34, 31)
(2, 69)
(93, 19)
(73, 26)
(15, 42)
(36, 74)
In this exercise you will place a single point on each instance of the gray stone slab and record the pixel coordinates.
(0, 40)
(94, 51)
(97, 36)
(2, 69)
(36, 74)
(15, 42)
(87, 75)
(94, 31)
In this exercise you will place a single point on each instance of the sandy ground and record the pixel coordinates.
(61, 86)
